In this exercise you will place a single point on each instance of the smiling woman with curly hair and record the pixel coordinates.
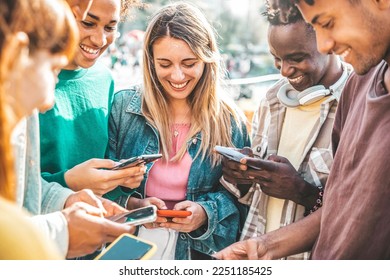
(71, 154)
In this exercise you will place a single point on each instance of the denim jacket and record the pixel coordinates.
(131, 135)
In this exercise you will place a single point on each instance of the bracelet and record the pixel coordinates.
(317, 205)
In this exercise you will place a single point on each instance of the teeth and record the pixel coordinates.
(344, 54)
(295, 80)
(179, 86)
(89, 50)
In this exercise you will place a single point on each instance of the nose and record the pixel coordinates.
(286, 69)
(325, 42)
(99, 38)
(177, 74)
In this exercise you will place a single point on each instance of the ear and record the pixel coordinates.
(15, 50)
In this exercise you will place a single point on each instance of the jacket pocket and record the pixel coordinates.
(321, 160)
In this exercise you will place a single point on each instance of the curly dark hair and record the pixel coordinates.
(285, 10)
(281, 15)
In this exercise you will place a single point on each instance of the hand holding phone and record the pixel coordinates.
(128, 247)
(233, 154)
(143, 215)
(134, 161)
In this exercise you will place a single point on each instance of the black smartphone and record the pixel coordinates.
(143, 215)
(128, 247)
(134, 161)
(198, 255)
(232, 154)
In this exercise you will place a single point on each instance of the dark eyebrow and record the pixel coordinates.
(315, 19)
(93, 16)
(98, 19)
(297, 54)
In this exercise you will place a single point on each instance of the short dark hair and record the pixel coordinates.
(278, 15)
(293, 2)
(286, 10)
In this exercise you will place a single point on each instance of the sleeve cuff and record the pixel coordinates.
(55, 227)
(58, 177)
(230, 187)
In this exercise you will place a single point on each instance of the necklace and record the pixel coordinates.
(175, 125)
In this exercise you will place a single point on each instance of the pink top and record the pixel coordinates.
(168, 180)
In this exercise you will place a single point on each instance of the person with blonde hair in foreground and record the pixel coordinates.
(37, 39)
(30, 56)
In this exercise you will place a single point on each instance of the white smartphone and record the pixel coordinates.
(232, 154)
(128, 247)
(143, 215)
(229, 153)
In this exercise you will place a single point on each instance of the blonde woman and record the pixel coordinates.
(181, 112)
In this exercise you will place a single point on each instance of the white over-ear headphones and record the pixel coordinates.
(290, 97)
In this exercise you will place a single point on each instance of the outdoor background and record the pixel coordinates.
(242, 38)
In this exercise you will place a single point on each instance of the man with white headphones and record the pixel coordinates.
(291, 132)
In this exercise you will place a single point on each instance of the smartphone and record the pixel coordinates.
(173, 213)
(198, 255)
(128, 247)
(143, 215)
(134, 161)
(232, 154)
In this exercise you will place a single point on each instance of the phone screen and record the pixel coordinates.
(138, 216)
(141, 215)
(127, 248)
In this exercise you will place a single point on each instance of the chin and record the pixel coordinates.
(46, 106)
(84, 63)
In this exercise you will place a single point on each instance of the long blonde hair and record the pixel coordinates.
(49, 25)
(212, 112)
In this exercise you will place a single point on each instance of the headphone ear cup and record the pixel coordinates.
(285, 99)
(312, 94)
(290, 97)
